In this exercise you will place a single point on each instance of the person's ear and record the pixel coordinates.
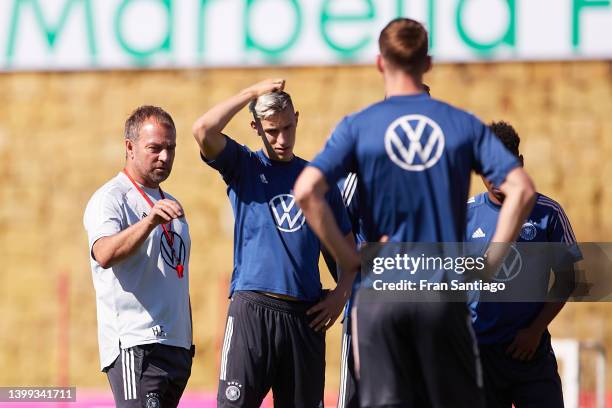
(129, 149)
(380, 63)
(256, 126)
(297, 116)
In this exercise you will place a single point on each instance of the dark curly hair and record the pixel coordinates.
(507, 135)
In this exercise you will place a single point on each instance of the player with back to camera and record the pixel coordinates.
(275, 330)
(139, 251)
(413, 156)
(348, 394)
(519, 365)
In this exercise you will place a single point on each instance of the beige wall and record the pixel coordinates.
(61, 138)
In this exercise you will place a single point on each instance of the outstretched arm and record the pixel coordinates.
(208, 127)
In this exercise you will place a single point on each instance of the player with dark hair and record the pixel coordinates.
(518, 362)
(348, 395)
(139, 251)
(413, 156)
(275, 330)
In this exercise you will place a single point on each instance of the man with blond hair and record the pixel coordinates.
(278, 314)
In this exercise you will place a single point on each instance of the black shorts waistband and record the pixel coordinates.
(282, 305)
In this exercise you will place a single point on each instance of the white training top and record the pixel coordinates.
(139, 300)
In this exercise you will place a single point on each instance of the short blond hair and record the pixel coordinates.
(270, 104)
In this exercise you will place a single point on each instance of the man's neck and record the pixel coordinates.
(399, 83)
(494, 199)
(139, 179)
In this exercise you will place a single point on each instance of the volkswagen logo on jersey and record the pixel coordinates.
(511, 267)
(414, 142)
(528, 231)
(287, 214)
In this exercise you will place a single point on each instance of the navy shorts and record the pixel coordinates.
(348, 395)
(150, 375)
(268, 344)
(417, 354)
(526, 384)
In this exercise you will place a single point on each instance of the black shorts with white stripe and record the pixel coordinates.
(348, 395)
(268, 344)
(149, 375)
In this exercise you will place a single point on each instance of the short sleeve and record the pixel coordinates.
(350, 197)
(340, 214)
(103, 216)
(228, 162)
(491, 158)
(338, 156)
(560, 230)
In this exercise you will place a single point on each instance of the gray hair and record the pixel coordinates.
(270, 104)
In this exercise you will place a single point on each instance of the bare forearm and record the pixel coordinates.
(215, 120)
(208, 127)
(520, 198)
(109, 251)
(546, 315)
(513, 213)
(322, 221)
(346, 278)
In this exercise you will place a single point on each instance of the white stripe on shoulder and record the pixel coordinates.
(567, 227)
(561, 214)
(471, 200)
(348, 185)
(349, 199)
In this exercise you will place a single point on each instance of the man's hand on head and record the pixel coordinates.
(267, 86)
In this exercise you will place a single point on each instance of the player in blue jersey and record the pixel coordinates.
(275, 330)
(413, 156)
(518, 361)
(348, 395)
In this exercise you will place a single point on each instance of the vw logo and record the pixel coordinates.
(511, 266)
(414, 142)
(287, 214)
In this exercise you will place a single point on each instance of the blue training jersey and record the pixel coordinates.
(274, 248)
(348, 188)
(498, 322)
(413, 156)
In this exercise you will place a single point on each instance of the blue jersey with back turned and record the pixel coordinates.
(274, 248)
(498, 322)
(413, 156)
